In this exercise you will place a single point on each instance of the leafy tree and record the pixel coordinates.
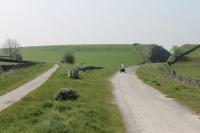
(69, 58)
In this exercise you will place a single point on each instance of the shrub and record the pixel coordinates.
(18, 57)
(62, 61)
(66, 94)
(69, 58)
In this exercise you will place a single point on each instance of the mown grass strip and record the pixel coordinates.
(12, 80)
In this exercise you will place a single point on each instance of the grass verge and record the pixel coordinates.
(186, 95)
(12, 80)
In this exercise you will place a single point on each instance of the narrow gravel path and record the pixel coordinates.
(13, 96)
(146, 110)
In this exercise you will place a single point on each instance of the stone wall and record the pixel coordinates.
(6, 68)
(184, 80)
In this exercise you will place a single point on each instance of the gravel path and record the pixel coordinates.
(146, 110)
(13, 96)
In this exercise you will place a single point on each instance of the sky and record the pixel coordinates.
(57, 22)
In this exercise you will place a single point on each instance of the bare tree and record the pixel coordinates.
(11, 47)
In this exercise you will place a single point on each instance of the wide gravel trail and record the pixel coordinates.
(146, 110)
(13, 96)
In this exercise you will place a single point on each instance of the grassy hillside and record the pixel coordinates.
(190, 68)
(144, 51)
(93, 112)
(152, 53)
(89, 54)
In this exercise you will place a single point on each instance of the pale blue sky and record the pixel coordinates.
(46, 22)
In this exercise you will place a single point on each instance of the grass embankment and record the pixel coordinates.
(153, 74)
(93, 112)
(12, 80)
(145, 51)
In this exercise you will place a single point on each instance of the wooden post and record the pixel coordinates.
(73, 74)
(69, 73)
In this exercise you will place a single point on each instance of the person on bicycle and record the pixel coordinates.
(122, 68)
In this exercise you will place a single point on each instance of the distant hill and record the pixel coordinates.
(152, 53)
(88, 54)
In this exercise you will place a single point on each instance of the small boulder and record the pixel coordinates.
(66, 94)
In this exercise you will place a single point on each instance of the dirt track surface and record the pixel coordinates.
(146, 110)
(13, 96)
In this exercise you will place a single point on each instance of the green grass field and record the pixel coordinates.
(187, 95)
(93, 112)
(88, 54)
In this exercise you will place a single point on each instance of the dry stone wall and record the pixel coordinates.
(6, 68)
(184, 80)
